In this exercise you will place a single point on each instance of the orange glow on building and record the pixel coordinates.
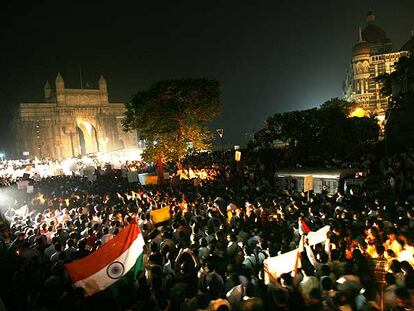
(358, 112)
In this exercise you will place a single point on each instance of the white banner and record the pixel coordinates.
(319, 236)
(30, 189)
(274, 267)
(22, 185)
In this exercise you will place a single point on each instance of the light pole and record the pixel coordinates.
(220, 132)
(385, 130)
(40, 146)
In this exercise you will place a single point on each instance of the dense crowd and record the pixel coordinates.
(210, 255)
(12, 171)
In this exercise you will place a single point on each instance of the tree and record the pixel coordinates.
(320, 132)
(399, 85)
(172, 116)
(337, 104)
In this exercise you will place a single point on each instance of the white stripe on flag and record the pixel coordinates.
(101, 280)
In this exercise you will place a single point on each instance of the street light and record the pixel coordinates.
(220, 132)
(1, 156)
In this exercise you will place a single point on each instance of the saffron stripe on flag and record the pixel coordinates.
(103, 256)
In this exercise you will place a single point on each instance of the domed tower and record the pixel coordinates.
(361, 53)
(376, 36)
(371, 17)
(47, 90)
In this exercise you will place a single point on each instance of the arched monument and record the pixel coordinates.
(71, 122)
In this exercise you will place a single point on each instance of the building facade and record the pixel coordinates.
(372, 56)
(71, 122)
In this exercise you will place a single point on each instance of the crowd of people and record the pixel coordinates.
(12, 171)
(210, 254)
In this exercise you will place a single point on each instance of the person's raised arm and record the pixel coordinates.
(310, 254)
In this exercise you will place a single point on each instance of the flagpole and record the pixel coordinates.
(80, 75)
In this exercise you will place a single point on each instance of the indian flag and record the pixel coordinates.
(109, 263)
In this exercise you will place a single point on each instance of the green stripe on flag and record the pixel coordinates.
(129, 278)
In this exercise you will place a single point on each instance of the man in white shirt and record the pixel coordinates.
(107, 236)
(58, 250)
(392, 243)
(49, 251)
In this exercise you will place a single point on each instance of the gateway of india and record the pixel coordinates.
(372, 56)
(71, 122)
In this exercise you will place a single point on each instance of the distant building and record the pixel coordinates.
(71, 122)
(372, 56)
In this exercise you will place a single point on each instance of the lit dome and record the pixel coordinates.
(361, 48)
(374, 34)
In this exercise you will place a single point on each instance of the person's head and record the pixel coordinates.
(325, 270)
(395, 266)
(402, 296)
(326, 283)
(390, 279)
(335, 254)
(223, 307)
(323, 257)
(315, 296)
(58, 246)
(390, 253)
(73, 235)
(203, 242)
(20, 236)
(373, 233)
(286, 279)
(392, 235)
(409, 281)
(71, 243)
(406, 267)
(82, 244)
(154, 247)
(380, 250)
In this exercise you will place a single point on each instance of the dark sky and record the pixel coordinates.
(269, 56)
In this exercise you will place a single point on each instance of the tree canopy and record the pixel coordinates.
(172, 117)
(319, 131)
(399, 85)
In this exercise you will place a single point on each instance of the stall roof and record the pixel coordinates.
(316, 172)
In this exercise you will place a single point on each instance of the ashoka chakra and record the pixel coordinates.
(115, 270)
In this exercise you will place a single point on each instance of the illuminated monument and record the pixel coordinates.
(372, 56)
(71, 122)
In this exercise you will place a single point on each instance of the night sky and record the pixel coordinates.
(269, 56)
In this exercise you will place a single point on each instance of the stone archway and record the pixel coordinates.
(88, 137)
(82, 145)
